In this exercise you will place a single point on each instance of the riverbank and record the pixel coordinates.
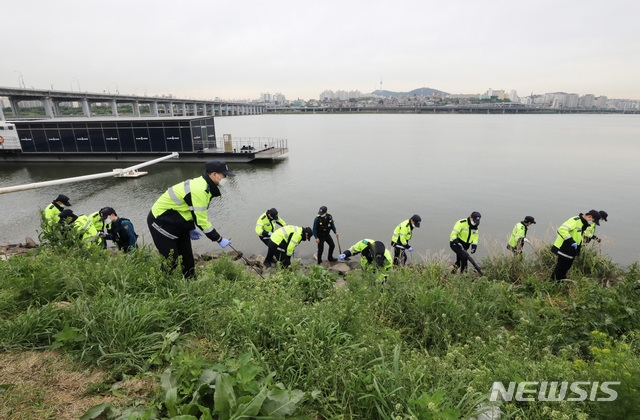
(425, 344)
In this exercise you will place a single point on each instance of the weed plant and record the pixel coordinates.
(427, 344)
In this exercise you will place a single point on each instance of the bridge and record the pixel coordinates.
(51, 101)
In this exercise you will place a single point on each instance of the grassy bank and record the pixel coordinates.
(428, 344)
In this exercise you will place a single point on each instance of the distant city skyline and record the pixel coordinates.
(235, 50)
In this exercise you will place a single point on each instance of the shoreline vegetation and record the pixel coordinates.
(88, 333)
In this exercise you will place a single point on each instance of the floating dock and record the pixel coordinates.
(108, 139)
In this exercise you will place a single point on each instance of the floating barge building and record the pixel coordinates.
(106, 139)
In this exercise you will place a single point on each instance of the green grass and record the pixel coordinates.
(427, 344)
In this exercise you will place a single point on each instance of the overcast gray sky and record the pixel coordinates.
(237, 49)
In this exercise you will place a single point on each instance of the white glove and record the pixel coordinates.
(526, 240)
(270, 233)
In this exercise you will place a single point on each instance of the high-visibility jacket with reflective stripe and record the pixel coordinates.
(84, 225)
(51, 213)
(95, 219)
(518, 235)
(287, 238)
(364, 262)
(199, 190)
(465, 232)
(402, 233)
(265, 224)
(590, 231)
(571, 231)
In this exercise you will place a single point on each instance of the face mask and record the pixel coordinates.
(222, 181)
(107, 221)
(590, 222)
(472, 222)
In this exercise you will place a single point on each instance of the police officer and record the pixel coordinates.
(99, 224)
(119, 230)
(463, 236)
(374, 256)
(284, 241)
(323, 224)
(177, 215)
(400, 239)
(52, 211)
(567, 244)
(519, 235)
(80, 223)
(265, 224)
(590, 232)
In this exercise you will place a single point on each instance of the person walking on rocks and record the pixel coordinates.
(284, 242)
(401, 237)
(323, 224)
(180, 214)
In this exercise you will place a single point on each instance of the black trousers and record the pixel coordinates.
(461, 257)
(562, 268)
(173, 248)
(265, 240)
(329, 240)
(399, 254)
(280, 255)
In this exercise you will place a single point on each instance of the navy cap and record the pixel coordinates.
(105, 212)
(218, 167)
(273, 213)
(416, 220)
(530, 219)
(603, 215)
(63, 199)
(308, 232)
(322, 210)
(596, 216)
(65, 214)
(475, 216)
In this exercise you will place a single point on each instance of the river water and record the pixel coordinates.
(374, 171)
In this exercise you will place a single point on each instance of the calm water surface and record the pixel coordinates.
(374, 171)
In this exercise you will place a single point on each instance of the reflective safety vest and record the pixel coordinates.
(287, 238)
(568, 233)
(518, 235)
(465, 232)
(589, 232)
(367, 260)
(51, 213)
(264, 225)
(95, 220)
(402, 233)
(84, 225)
(191, 200)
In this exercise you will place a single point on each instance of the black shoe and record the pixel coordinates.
(319, 262)
(331, 259)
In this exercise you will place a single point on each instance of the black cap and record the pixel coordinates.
(307, 233)
(416, 220)
(475, 216)
(273, 213)
(596, 216)
(63, 199)
(530, 219)
(322, 210)
(67, 213)
(378, 251)
(106, 211)
(603, 215)
(218, 167)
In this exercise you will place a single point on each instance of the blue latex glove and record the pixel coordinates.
(269, 233)
(574, 245)
(473, 248)
(410, 249)
(342, 256)
(224, 242)
(195, 234)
